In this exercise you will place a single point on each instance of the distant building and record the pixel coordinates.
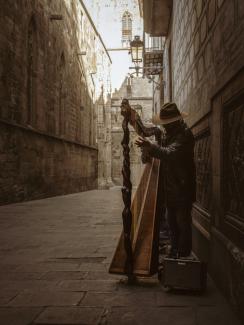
(118, 21)
(139, 92)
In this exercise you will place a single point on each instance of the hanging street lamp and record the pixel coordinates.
(136, 51)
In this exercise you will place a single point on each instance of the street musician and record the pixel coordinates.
(176, 155)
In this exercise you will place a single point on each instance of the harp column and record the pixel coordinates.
(126, 190)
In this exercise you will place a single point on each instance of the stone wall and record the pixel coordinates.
(206, 40)
(46, 102)
(104, 142)
(204, 58)
(34, 165)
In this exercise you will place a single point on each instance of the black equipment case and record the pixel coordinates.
(182, 273)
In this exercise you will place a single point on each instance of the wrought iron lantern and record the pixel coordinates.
(136, 51)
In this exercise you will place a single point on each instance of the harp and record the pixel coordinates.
(137, 251)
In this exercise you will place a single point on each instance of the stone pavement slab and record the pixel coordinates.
(47, 298)
(212, 315)
(119, 299)
(26, 285)
(64, 275)
(69, 315)
(89, 285)
(6, 296)
(54, 260)
(18, 316)
(163, 315)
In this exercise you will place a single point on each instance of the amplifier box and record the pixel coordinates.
(182, 273)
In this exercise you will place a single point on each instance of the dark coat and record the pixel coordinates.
(177, 166)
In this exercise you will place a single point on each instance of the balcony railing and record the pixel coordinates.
(153, 54)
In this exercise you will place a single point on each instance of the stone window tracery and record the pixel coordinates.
(126, 29)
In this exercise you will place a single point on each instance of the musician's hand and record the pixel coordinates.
(143, 143)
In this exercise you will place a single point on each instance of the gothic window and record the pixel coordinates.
(31, 71)
(126, 29)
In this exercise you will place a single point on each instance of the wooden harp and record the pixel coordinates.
(137, 251)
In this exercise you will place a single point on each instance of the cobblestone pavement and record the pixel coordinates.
(54, 257)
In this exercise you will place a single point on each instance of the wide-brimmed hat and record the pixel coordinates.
(169, 113)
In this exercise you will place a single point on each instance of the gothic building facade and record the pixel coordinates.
(118, 22)
(48, 88)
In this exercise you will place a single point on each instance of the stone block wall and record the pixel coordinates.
(204, 71)
(206, 40)
(46, 108)
(34, 165)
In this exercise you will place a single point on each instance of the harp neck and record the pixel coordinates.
(135, 121)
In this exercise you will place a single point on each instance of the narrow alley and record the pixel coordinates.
(54, 261)
(121, 153)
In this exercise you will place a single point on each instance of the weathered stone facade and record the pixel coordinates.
(35, 165)
(206, 45)
(104, 142)
(204, 57)
(108, 18)
(47, 132)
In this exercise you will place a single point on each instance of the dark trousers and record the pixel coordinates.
(179, 221)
